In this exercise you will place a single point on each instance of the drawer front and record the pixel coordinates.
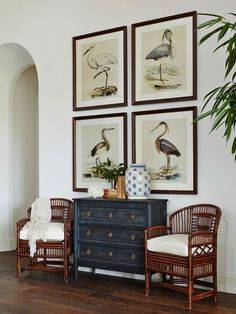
(107, 234)
(111, 254)
(133, 217)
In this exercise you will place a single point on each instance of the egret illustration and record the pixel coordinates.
(102, 146)
(163, 51)
(101, 63)
(164, 146)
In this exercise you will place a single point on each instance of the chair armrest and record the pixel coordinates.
(201, 238)
(68, 228)
(20, 223)
(156, 231)
(201, 243)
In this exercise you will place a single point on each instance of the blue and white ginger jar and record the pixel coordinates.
(137, 181)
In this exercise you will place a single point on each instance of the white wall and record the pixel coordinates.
(13, 61)
(25, 142)
(45, 28)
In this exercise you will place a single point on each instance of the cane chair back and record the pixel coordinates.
(202, 217)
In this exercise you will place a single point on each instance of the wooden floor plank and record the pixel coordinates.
(42, 293)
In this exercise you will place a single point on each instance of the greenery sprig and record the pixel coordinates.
(223, 110)
(109, 171)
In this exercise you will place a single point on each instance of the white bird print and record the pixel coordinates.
(100, 62)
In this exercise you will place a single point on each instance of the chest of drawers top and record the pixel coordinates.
(136, 213)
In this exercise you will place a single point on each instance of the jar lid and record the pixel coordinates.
(138, 165)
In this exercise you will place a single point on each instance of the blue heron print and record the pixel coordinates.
(164, 73)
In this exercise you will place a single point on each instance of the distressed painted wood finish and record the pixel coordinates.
(109, 233)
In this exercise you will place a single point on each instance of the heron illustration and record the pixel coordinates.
(100, 62)
(164, 146)
(162, 51)
(102, 146)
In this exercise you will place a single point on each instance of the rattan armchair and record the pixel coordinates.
(54, 254)
(185, 252)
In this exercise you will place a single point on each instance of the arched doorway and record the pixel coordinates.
(18, 136)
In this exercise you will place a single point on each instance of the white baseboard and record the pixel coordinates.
(7, 244)
(227, 282)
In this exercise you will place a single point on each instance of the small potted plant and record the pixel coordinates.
(109, 171)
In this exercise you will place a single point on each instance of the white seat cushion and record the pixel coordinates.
(174, 244)
(55, 232)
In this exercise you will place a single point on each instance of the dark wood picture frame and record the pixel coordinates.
(172, 159)
(164, 59)
(88, 131)
(100, 69)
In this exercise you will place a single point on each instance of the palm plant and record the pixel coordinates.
(223, 98)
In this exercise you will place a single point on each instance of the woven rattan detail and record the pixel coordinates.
(200, 222)
(50, 255)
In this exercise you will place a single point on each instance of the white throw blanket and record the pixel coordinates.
(38, 224)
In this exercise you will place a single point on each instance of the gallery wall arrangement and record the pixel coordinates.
(164, 69)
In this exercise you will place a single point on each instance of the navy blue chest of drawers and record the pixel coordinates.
(108, 233)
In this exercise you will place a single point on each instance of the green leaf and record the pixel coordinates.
(225, 104)
(205, 24)
(204, 115)
(223, 31)
(209, 14)
(218, 120)
(220, 46)
(207, 36)
(229, 125)
(234, 76)
(210, 95)
(233, 150)
(230, 62)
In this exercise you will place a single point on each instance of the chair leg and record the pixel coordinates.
(215, 285)
(190, 293)
(45, 260)
(18, 266)
(65, 262)
(147, 282)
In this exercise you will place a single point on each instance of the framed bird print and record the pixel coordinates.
(166, 141)
(97, 140)
(100, 69)
(164, 59)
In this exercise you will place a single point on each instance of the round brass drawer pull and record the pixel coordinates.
(89, 252)
(88, 233)
(109, 235)
(132, 216)
(89, 214)
(132, 237)
(133, 257)
(110, 254)
(109, 215)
